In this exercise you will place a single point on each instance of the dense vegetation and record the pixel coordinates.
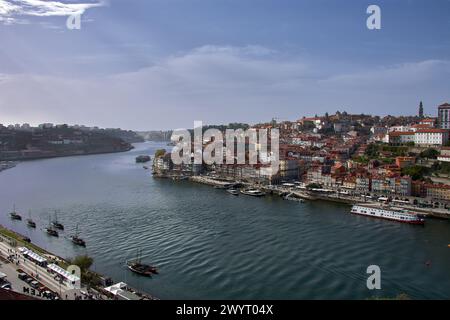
(429, 153)
(416, 172)
(160, 153)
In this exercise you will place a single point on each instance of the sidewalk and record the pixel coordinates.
(37, 272)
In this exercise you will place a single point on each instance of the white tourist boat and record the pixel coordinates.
(389, 213)
(253, 192)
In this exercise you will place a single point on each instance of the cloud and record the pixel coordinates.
(219, 85)
(10, 10)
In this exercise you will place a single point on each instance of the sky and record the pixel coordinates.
(162, 64)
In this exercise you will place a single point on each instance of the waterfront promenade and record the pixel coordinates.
(18, 261)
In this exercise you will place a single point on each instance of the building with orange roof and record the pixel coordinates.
(403, 162)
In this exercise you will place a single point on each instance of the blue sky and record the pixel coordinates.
(157, 64)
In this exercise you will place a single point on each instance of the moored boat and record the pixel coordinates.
(30, 222)
(77, 240)
(14, 215)
(56, 224)
(389, 213)
(140, 268)
(52, 232)
(253, 192)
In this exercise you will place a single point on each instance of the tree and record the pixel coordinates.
(415, 172)
(160, 153)
(421, 110)
(83, 261)
(372, 150)
(429, 153)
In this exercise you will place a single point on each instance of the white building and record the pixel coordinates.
(399, 128)
(431, 137)
(399, 137)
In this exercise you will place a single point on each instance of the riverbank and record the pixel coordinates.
(5, 165)
(283, 191)
(97, 287)
(44, 154)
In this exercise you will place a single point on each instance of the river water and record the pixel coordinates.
(212, 245)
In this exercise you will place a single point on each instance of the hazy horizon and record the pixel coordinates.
(159, 65)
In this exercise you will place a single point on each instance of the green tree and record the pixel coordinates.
(83, 261)
(160, 153)
(429, 153)
(372, 150)
(415, 172)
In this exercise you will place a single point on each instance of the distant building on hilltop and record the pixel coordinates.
(421, 110)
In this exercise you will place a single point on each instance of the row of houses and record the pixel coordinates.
(421, 137)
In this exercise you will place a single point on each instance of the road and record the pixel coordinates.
(44, 277)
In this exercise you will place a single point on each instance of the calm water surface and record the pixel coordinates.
(211, 245)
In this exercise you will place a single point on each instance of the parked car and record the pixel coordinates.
(22, 276)
(29, 280)
(34, 284)
(6, 286)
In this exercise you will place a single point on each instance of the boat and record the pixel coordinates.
(14, 215)
(56, 224)
(143, 159)
(140, 268)
(253, 192)
(234, 192)
(145, 167)
(77, 240)
(30, 222)
(290, 198)
(389, 213)
(51, 231)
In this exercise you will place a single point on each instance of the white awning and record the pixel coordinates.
(63, 273)
(23, 250)
(117, 288)
(35, 256)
